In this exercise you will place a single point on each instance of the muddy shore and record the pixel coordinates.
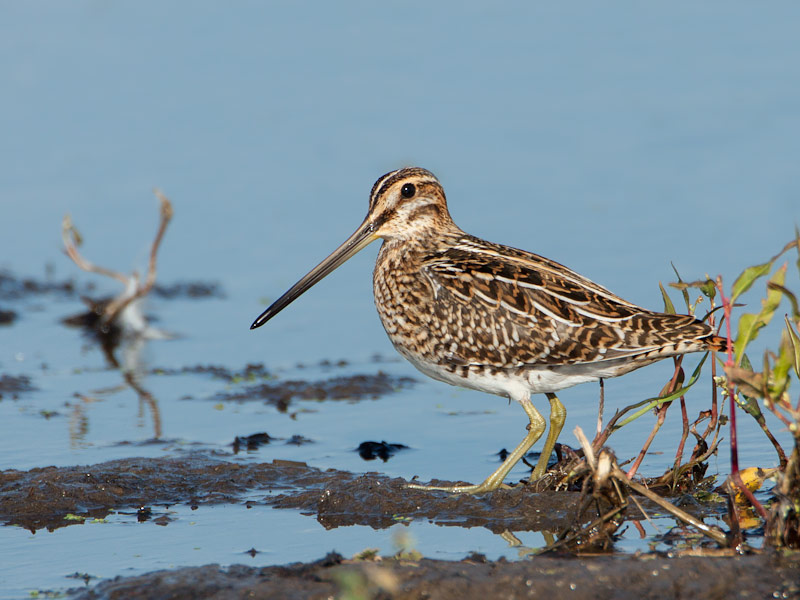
(43, 497)
(473, 577)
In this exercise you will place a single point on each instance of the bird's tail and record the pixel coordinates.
(717, 343)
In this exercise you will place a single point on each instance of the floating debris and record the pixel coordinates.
(251, 442)
(382, 450)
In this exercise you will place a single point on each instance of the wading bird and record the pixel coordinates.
(493, 318)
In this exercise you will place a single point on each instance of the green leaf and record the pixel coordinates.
(73, 517)
(748, 277)
(683, 289)
(750, 324)
(652, 403)
(668, 306)
(778, 380)
(746, 364)
(774, 294)
(795, 339)
(709, 288)
(789, 296)
(749, 405)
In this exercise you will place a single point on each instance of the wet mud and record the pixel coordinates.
(143, 488)
(42, 497)
(347, 387)
(758, 576)
(255, 383)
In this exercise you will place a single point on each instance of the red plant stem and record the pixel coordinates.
(729, 363)
(640, 529)
(684, 433)
(735, 475)
(661, 413)
(712, 424)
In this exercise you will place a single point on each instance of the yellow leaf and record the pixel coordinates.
(753, 478)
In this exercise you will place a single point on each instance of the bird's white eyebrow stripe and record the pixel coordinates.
(384, 183)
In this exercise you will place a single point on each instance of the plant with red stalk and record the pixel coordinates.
(735, 475)
(684, 476)
(745, 386)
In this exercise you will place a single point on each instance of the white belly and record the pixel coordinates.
(514, 386)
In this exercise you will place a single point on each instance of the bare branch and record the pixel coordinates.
(71, 240)
(712, 532)
(119, 304)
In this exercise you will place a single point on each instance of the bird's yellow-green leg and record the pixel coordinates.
(535, 430)
(558, 414)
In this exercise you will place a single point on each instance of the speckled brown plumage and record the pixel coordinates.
(495, 318)
(466, 305)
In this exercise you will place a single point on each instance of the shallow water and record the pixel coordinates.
(613, 140)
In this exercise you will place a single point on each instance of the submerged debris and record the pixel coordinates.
(17, 288)
(251, 372)
(13, 288)
(382, 450)
(298, 440)
(15, 384)
(350, 387)
(189, 289)
(251, 442)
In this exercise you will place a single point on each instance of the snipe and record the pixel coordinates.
(493, 318)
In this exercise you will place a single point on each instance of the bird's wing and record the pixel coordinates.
(509, 307)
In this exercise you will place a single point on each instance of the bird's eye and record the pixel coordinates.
(408, 190)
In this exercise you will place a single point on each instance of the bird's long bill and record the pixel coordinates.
(361, 238)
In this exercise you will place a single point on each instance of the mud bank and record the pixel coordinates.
(40, 498)
(56, 497)
(577, 578)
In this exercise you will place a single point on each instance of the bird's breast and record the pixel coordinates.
(405, 300)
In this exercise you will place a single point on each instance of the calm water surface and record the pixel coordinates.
(615, 140)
